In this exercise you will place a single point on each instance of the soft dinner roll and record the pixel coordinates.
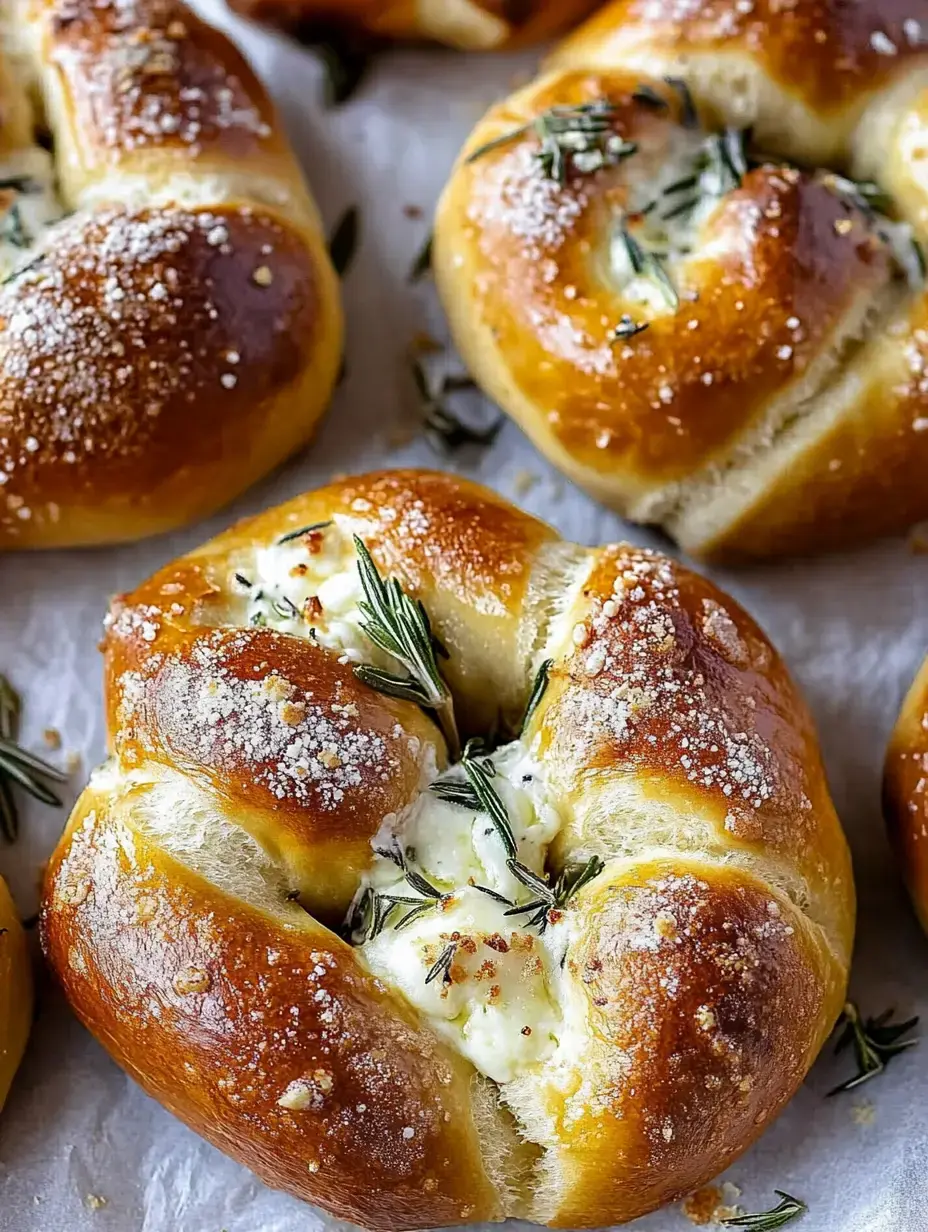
(471, 25)
(699, 332)
(905, 792)
(169, 320)
(573, 982)
(15, 991)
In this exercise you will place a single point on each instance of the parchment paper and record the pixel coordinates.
(81, 1148)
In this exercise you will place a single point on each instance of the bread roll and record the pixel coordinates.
(470, 25)
(905, 792)
(15, 991)
(708, 305)
(589, 994)
(169, 320)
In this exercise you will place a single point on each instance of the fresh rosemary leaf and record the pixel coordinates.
(303, 530)
(443, 966)
(647, 265)
(420, 883)
(422, 263)
(491, 802)
(785, 1212)
(453, 791)
(580, 138)
(538, 689)
(401, 628)
(285, 608)
(443, 429)
(864, 195)
(18, 183)
(689, 117)
(875, 1041)
(532, 881)
(627, 328)
(411, 916)
(573, 877)
(242, 581)
(684, 207)
(13, 231)
(500, 898)
(728, 159)
(23, 269)
(18, 767)
(344, 242)
(681, 185)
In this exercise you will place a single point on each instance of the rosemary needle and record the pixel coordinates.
(788, 1209)
(18, 767)
(875, 1041)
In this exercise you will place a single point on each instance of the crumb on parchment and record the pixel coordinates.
(711, 1204)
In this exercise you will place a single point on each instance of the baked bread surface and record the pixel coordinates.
(469, 25)
(763, 392)
(905, 792)
(15, 991)
(578, 1070)
(170, 327)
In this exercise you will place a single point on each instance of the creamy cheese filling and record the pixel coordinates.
(309, 586)
(484, 978)
(29, 203)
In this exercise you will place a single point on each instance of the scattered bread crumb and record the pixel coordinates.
(413, 211)
(710, 1205)
(524, 481)
(72, 761)
(424, 344)
(863, 1112)
(402, 434)
(94, 1202)
(52, 737)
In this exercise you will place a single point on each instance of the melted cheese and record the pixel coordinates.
(29, 204)
(500, 1005)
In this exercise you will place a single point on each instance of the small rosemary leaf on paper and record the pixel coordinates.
(788, 1209)
(444, 430)
(18, 767)
(345, 59)
(537, 693)
(344, 242)
(422, 262)
(875, 1042)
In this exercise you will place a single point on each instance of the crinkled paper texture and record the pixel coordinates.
(853, 628)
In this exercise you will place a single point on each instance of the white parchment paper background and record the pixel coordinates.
(853, 629)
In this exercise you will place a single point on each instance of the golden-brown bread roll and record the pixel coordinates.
(749, 370)
(15, 991)
(170, 327)
(905, 792)
(471, 25)
(571, 1007)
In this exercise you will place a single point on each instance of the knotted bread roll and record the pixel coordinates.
(687, 261)
(905, 792)
(471, 25)
(169, 320)
(15, 991)
(577, 978)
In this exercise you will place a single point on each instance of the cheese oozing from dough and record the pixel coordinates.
(29, 204)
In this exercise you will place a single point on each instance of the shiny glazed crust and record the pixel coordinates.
(905, 792)
(782, 407)
(185, 909)
(470, 25)
(15, 991)
(179, 333)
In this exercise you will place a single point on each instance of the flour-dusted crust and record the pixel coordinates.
(190, 910)
(905, 792)
(471, 25)
(781, 405)
(171, 330)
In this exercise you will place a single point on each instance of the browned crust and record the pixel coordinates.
(714, 957)
(216, 1008)
(15, 991)
(524, 21)
(155, 360)
(821, 51)
(905, 792)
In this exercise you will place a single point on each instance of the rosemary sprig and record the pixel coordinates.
(422, 262)
(17, 767)
(648, 265)
(401, 627)
(875, 1040)
(573, 877)
(453, 791)
(481, 774)
(788, 1209)
(301, 531)
(343, 244)
(537, 693)
(580, 138)
(443, 966)
(627, 328)
(689, 116)
(443, 429)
